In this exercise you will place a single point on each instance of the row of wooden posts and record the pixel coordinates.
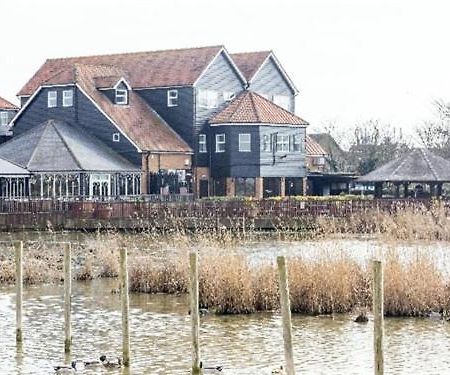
(194, 306)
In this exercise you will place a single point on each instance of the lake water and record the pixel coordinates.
(244, 344)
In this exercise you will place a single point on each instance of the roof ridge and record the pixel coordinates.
(427, 160)
(44, 125)
(240, 97)
(255, 108)
(65, 143)
(134, 53)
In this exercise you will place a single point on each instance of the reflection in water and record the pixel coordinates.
(160, 341)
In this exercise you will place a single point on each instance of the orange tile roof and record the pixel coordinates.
(313, 148)
(177, 67)
(249, 62)
(249, 107)
(137, 119)
(4, 104)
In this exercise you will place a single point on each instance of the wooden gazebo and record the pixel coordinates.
(419, 166)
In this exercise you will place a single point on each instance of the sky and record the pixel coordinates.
(352, 60)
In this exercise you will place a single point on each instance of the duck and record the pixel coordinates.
(210, 369)
(67, 370)
(110, 362)
(278, 371)
(361, 318)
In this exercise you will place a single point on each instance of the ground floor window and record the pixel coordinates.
(245, 186)
(293, 186)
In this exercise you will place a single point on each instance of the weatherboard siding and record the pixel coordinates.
(220, 77)
(269, 81)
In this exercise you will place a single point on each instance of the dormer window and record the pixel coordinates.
(121, 96)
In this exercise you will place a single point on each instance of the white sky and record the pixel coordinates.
(352, 60)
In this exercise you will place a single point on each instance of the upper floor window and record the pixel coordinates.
(4, 118)
(245, 143)
(121, 96)
(172, 98)
(208, 99)
(116, 137)
(220, 142)
(283, 101)
(297, 143)
(52, 99)
(228, 96)
(202, 143)
(67, 98)
(318, 160)
(282, 143)
(266, 145)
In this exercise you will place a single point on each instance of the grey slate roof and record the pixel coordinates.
(55, 146)
(420, 165)
(8, 169)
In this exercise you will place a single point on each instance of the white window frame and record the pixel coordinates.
(282, 143)
(4, 118)
(220, 143)
(208, 99)
(228, 96)
(172, 98)
(202, 143)
(116, 137)
(282, 101)
(297, 143)
(52, 99)
(67, 98)
(121, 96)
(266, 144)
(245, 142)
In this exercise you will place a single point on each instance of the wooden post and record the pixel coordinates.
(125, 307)
(195, 320)
(67, 297)
(19, 286)
(286, 315)
(378, 319)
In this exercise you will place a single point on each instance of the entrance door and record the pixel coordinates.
(203, 188)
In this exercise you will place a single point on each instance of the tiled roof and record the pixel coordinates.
(178, 67)
(249, 107)
(72, 149)
(313, 148)
(249, 62)
(420, 165)
(137, 120)
(4, 104)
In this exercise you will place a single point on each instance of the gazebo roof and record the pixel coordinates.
(8, 169)
(420, 165)
(55, 146)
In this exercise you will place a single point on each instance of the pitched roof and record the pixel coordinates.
(10, 169)
(55, 146)
(420, 165)
(249, 62)
(251, 108)
(313, 148)
(177, 67)
(4, 104)
(137, 119)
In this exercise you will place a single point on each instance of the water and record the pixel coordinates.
(160, 339)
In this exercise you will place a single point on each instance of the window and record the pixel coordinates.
(220, 142)
(207, 99)
(266, 144)
(172, 98)
(52, 98)
(228, 96)
(283, 101)
(297, 143)
(282, 143)
(121, 96)
(116, 137)
(202, 143)
(67, 98)
(245, 186)
(245, 143)
(318, 160)
(4, 118)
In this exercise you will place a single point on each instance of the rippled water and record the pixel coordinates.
(160, 339)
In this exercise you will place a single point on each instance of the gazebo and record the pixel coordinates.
(419, 166)
(58, 160)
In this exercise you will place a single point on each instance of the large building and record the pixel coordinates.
(190, 120)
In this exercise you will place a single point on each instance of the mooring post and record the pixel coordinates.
(286, 315)
(125, 307)
(19, 289)
(378, 313)
(67, 297)
(195, 320)
(243, 224)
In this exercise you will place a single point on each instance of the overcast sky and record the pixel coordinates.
(352, 60)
